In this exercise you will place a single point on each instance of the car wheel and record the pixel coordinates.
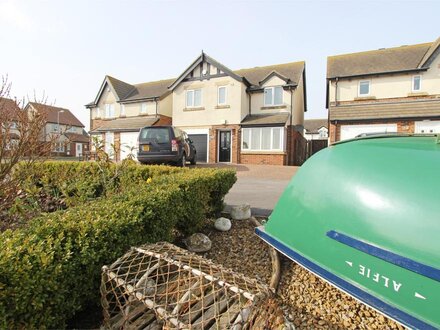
(194, 160)
(182, 162)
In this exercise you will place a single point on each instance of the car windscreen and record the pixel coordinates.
(156, 135)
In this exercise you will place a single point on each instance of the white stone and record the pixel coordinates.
(198, 242)
(222, 224)
(241, 212)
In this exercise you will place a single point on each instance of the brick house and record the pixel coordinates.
(386, 90)
(316, 129)
(248, 116)
(63, 128)
(120, 110)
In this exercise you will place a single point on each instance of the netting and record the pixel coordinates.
(161, 286)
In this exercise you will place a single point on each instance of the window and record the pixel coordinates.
(416, 83)
(262, 139)
(144, 107)
(58, 147)
(98, 112)
(221, 100)
(193, 98)
(323, 133)
(364, 88)
(273, 95)
(122, 109)
(109, 111)
(13, 125)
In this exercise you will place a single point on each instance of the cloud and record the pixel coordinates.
(11, 14)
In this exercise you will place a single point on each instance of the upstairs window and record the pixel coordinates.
(109, 111)
(416, 83)
(144, 108)
(193, 98)
(122, 109)
(273, 96)
(364, 88)
(98, 112)
(221, 95)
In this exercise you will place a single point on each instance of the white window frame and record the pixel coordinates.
(369, 87)
(144, 108)
(261, 139)
(273, 96)
(218, 95)
(109, 110)
(192, 91)
(412, 83)
(122, 110)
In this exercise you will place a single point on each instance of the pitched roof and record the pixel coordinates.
(74, 137)
(129, 124)
(263, 120)
(313, 125)
(122, 89)
(387, 110)
(397, 59)
(9, 106)
(149, 90)
(292, 71)
(51, 113)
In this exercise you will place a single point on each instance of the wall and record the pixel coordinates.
(298, 103)
(390, 86)
(209, 113)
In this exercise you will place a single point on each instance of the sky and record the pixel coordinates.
(61, 50)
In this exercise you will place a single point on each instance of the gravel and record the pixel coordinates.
(309, 302)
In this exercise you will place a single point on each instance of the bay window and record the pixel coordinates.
(262, 139)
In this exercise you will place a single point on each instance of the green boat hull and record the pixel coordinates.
(364, 215)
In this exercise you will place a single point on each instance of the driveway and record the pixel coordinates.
(258, 185)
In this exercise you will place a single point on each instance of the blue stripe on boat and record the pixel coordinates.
(391, 257)
(392, 312)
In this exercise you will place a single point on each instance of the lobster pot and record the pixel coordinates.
(161, 286)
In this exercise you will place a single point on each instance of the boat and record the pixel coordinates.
(364, 215)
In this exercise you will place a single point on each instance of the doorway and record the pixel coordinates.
(224, 147)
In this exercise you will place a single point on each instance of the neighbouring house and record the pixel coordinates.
(120, 110)
(316, 129)
(62, 128)
(9, 118)
(386, 90)
(248, 116)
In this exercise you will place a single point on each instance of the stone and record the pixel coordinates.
(198, 242)
(241, 212)
(222, 224)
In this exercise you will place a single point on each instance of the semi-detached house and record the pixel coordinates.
(386, 90)
(250, 116)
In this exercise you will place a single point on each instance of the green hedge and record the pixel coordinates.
(51, 268)
(76, 182)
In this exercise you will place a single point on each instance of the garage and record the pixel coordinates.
(427, 126)
(351, 131)
(200, 141)
(129, 144)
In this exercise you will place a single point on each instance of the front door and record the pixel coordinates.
(79, 149)
(224, 147)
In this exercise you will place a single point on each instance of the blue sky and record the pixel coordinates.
(65, 48)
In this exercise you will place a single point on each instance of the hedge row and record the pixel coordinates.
(76, 182)
(51, 268)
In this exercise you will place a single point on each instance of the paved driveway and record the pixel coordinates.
(259, 185)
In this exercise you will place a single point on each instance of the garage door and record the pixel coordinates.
(201, 143)
(351, 131)
(129, 144)
(427, 126)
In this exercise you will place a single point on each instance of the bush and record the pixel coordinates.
(51, 268)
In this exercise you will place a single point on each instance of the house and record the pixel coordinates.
(120, 110)
(62, 128)
(243, 116)
(316, 129)
(248, 116)
(9, 118)
(386, 90)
